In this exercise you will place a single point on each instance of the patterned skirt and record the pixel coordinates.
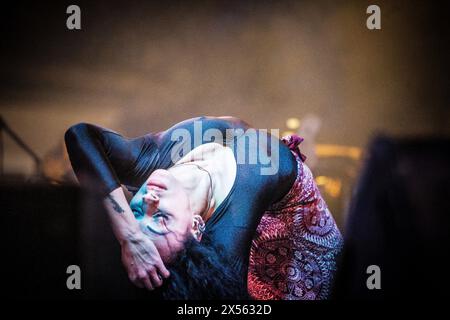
(293, 254)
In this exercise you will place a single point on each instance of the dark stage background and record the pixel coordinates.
(310, 67)
(139, 66)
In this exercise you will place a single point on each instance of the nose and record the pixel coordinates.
(151, 199)
(151, 195)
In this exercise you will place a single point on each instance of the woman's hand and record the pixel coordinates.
(143, 262)
(139, 254)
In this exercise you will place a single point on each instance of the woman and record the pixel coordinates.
(204, 191)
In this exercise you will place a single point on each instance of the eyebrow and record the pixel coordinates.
(136, 211)
(156, 232)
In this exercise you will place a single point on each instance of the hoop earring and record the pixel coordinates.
(200, 224)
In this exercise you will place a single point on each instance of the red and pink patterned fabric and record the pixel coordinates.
(293, 254)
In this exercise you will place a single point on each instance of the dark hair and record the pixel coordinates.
(200, 271)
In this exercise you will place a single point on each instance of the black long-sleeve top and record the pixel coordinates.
(102, 156)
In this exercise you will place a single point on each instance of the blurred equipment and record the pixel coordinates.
(309, 129)
(4, 127)
(399, 220)
(334, 166)
(56, 166)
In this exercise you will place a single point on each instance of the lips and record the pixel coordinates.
(156, 184)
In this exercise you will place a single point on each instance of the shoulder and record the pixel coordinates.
(287, 172)
(211, 122)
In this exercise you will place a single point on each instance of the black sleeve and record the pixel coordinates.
(106, 159)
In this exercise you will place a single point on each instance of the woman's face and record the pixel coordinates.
(162, 205)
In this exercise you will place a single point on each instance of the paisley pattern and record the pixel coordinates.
(293, 254)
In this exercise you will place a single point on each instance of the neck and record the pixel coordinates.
(220, 163)
(199, 180)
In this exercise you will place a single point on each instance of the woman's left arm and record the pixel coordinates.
(139, 255)
(105, 158)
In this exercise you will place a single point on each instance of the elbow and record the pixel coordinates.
(74, 136)
(76, 133)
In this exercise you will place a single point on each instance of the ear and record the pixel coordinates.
(198, 227)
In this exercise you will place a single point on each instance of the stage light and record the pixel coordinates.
(293, 123)
(333, 150)
(332, 186)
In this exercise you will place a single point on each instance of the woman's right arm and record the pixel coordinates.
(139, 255)
(100, 156)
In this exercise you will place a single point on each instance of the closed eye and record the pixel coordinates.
(160, 218)
(160, 215)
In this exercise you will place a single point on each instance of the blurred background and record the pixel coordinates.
(309, 67)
